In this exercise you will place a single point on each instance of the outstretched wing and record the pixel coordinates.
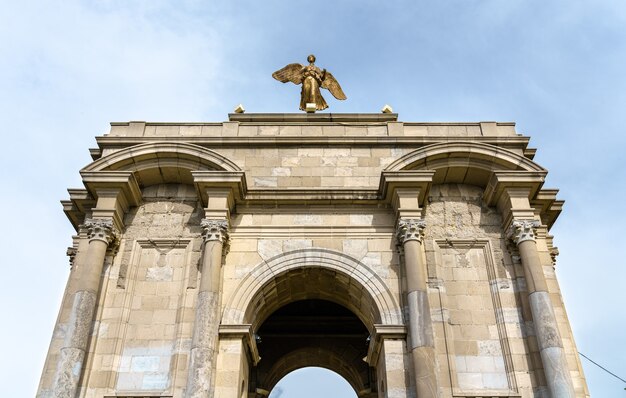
(290, 73)
(333, 86)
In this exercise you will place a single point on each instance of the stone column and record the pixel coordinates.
(101, 233)
(522, 232)
(200, 380)
(422, 343)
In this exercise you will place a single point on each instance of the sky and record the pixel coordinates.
(555, 67)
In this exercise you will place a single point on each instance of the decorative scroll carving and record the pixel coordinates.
(214, 230)
(101, 229)
(114, 247)
(71, 253)
(522, 230)
(553, 250)
(410, 229)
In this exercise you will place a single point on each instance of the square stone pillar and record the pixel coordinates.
(392, 370)
(236, 353)
(388, 354)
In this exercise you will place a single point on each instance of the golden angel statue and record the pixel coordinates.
(312, 78)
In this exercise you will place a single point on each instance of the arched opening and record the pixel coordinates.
(313, 382)
(313, 333)
(314, 308)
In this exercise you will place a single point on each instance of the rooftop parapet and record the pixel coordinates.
(315, 124)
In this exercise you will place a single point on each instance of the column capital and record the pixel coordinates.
(410, 229)
(101, 229)
(213, 229)
(522, 230)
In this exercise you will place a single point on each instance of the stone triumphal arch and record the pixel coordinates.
(212, 259)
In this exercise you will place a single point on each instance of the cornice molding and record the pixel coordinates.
(121, 142)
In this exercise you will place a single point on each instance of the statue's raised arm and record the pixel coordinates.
(312, 79)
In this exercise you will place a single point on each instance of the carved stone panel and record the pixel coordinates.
(477, 344)
(154, 304)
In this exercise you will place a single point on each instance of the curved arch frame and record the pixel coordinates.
(463, 154)
(156, 154)
(239, 309)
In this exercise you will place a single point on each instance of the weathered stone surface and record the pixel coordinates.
(551, 346)
(557, 373)
(206, 314)
(160, 273)
(420, 325)
(203, 346)
(79, 326)
(68, 372)
(545, 322)
(200, 378)
(426, 384)
(70, 364)
(145, 368)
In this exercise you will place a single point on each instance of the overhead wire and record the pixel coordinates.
(600, 366)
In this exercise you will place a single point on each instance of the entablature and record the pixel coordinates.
(109, 144)
(487, 154)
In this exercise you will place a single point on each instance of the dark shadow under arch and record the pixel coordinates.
(313, 333)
